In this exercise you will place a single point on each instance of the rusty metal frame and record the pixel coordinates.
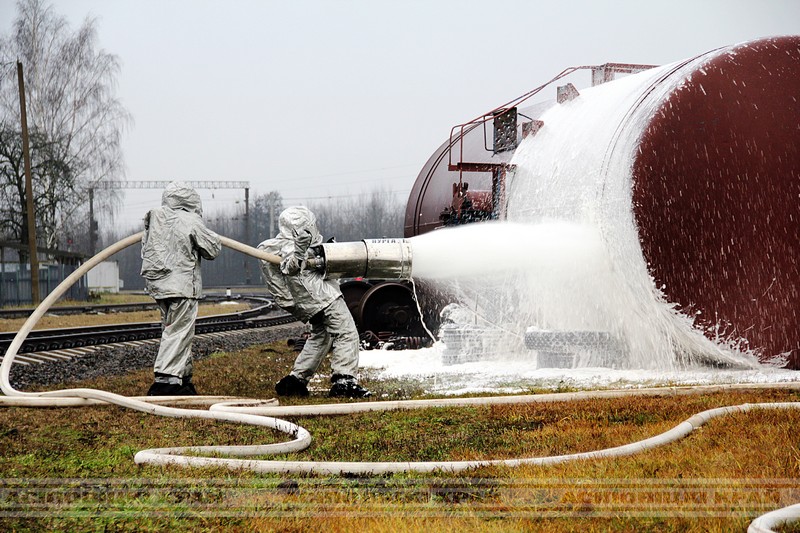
(462, 167)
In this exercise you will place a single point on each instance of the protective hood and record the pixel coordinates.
(181, 195)
(296, 220)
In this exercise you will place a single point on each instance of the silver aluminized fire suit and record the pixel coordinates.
(310, 298)
(175, 239)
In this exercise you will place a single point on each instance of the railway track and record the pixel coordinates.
(67, 343)
(24, 312)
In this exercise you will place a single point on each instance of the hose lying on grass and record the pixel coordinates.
(775, 519)
(261, 413)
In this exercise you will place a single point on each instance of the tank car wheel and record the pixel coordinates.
(390, 307)
(353, 292)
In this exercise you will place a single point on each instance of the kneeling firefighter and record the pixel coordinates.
(310, 298)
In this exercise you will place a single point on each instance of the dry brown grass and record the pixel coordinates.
(717, 479)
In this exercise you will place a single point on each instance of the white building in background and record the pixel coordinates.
(104, 278)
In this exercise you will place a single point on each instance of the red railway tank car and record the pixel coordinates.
(711, 152)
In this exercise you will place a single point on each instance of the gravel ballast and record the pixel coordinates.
(117, 359)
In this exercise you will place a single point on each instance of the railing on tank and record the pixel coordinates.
(504, 117)
(506, 139)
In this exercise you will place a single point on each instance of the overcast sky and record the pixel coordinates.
(318, 98)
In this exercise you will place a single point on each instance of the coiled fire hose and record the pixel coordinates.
(261, 413)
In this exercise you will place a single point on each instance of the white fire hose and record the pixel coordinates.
(262, 413)
(768, 522)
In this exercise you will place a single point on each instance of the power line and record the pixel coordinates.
(331, 197)
(342, 173)
(381, 179)
(162, 184)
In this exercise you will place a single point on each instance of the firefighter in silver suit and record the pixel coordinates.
(175, 241)
(312, 299)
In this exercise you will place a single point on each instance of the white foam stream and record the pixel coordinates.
(569, 258)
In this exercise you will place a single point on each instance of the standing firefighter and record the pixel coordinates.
(174, 240)
(310, 298)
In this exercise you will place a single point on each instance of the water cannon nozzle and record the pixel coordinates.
(370, 258)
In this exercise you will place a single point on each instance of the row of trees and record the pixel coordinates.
(374, 215)
(75, 124)
(371, 215)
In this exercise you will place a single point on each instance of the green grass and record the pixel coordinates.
(717, 479)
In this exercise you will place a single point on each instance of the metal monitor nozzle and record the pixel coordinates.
(370, 258)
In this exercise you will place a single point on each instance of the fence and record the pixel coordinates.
(15, 276)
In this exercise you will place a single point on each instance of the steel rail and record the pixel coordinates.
(25, 312)
(66, 338)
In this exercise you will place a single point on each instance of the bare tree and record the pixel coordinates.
(373, 215)
(72, 112)
(264, 215)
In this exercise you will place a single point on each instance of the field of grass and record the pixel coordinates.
(72, 468)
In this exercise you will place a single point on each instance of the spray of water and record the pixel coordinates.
(560, 276)
(502, 248)
(568, 258)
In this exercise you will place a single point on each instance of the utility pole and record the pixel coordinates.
(26, 156)
(271, 232)
(247, 279)
(92, 224)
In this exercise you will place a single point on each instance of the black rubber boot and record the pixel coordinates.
(162, 388)
(291, 386)
(165, 389)
(187, 387)
(344, 386)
